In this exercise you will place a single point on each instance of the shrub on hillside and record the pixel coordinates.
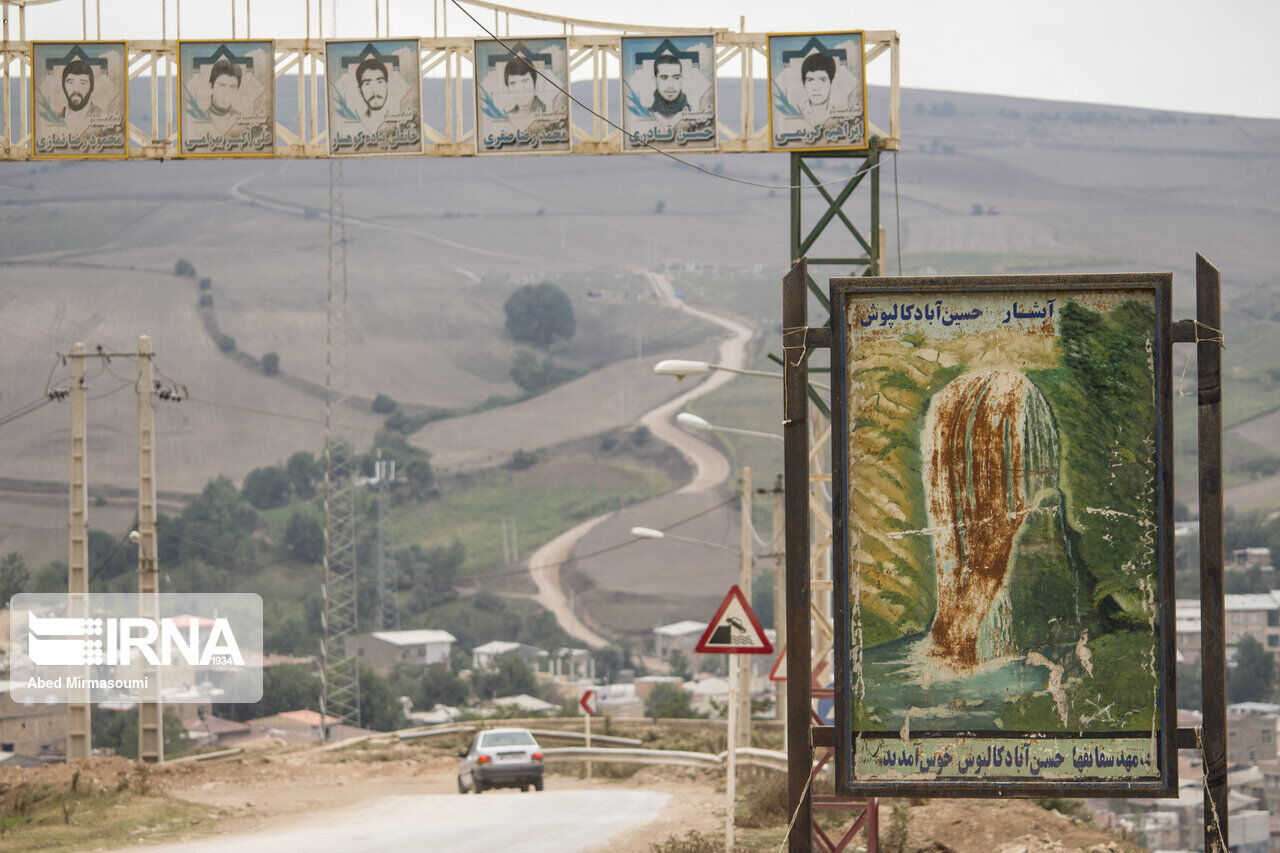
(304, 536)
(268, 487)
(539, 314)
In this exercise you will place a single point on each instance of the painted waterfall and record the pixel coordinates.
(1001, 487)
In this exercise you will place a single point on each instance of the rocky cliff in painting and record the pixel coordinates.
(1002, 507)
(990, 460)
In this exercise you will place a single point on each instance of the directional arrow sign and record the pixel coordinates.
(588, 702)
(734, 630)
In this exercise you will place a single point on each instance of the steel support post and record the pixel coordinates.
(79, 737)
(150, 723)
(1212, 611)
(743, 662)
(795, 433)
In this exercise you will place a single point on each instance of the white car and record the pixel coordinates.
(501, 758)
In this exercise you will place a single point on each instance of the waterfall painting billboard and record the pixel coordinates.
(1003, 534)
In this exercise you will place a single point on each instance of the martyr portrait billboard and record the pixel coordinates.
(669, 93)
(375, 96)
(520, 107)
(227, 99)
(79, 100)
(817, 92)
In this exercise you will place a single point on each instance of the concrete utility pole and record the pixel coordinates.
(150, 724)
(79, 738)
(743, 661)
(779, 598)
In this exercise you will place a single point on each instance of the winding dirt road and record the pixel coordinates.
(711, 468)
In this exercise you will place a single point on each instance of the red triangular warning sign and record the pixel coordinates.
(779, 671)
(734, 630)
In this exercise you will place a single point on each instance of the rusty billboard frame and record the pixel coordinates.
(1204, 330)
(1162, 780)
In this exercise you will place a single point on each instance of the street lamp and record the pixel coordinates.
(650, 533)
(694, 422)
(680, 368)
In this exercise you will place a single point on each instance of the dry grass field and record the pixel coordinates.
(981, 184)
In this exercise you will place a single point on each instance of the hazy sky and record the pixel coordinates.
(1168, 54)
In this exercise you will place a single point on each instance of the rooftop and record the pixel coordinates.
(679, 629)
(419, 637)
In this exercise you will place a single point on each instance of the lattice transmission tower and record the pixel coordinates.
(339, 666)
(387, 576)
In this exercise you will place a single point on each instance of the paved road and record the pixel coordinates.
(560, 821)
(710, 466)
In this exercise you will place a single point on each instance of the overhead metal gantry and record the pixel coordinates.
(593, 58)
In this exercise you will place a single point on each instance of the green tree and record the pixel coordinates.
(1251, 678)
(430, 573)
(383, 405)
(110, 556)
(419, 476)
(268, 487)
(304, 536)
(51, 577)
(680, 665)
(13, 576)
(118, 730)
(271, 364)
(539, 314)
(216, 524)
(762, 598)
(293, 687)
(533, 375)
(512, 676)
(206, 283)
(184, 267)
(304, 471)
(429, 686)
(379, 703)
(1190, 693)
(669, 701)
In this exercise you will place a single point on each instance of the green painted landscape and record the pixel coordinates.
(1003, 495)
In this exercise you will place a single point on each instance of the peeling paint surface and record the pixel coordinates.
(1001, 486)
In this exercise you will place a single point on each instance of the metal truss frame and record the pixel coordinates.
(811, 456)
(156, 62)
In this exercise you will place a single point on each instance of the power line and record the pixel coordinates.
(318, 422)
(477, 576)
(605, 550)
(645, 142)
(25, 410)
